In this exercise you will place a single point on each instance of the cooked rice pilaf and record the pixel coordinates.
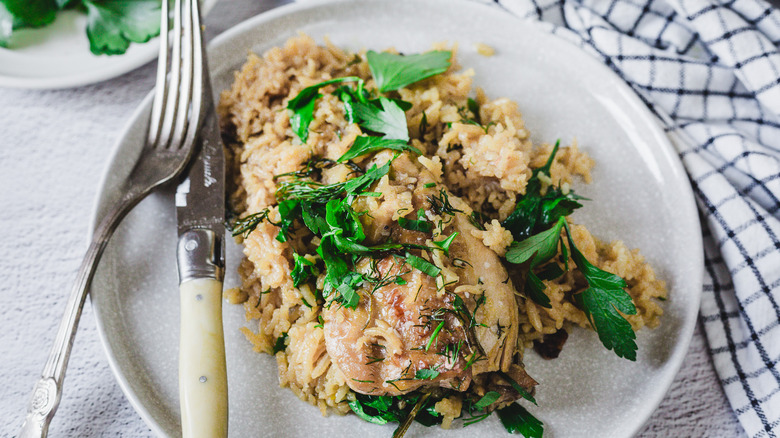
(481, 168)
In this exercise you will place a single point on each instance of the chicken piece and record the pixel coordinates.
(381, 345)
(497, 315)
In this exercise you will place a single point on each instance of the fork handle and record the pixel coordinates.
(48, 389)
(202, 376)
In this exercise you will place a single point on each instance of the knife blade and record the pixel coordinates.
(200, 213)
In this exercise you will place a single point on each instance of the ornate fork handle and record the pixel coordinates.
(48, 389)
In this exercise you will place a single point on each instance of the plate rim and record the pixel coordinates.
(688, 325)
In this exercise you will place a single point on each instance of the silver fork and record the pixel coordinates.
(177, 113)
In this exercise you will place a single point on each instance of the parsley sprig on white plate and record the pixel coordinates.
(111, 24)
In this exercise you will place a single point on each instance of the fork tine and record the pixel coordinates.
(171, 101)
(162, 67)
(185, 87)
(198, 72)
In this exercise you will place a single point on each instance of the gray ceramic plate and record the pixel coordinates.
(640, 194)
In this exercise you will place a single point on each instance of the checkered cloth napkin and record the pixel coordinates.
(710, 71)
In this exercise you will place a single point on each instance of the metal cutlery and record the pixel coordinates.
(200, 212)
(175, 121)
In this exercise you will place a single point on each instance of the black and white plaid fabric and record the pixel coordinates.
(711, 72)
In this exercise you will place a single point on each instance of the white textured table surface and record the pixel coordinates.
(53, 148)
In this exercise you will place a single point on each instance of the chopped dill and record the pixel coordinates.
(441, 204)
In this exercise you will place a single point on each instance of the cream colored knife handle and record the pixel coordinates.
(202, 376)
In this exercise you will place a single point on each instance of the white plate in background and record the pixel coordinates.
(640, 195)
(58, 55)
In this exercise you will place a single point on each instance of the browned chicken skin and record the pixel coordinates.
(383, 344)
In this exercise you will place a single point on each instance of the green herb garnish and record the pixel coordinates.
(536, 211)
(539, 219)
(536, 250)
(415, 225)
(535, 242)
(382, 116)
(440, 204)
(392, 72)
(423, 125)
(244, 226)
(280, 344)
(444, 245)
(302, 105)
(302, 270)
(18, 14)
(434, 335)
(111, 24)
(602, 301)
(365, 144)
(516, 419)
(426, 374)
(488, 399)
(422, 265)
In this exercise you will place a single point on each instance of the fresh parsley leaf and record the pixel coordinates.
(302, 117)
(288, 211)
(383, 116)
(601, 302)
(313, 218)
(357, 408)
(522, 220)
(392, 72)
(426, 374)
(364, 145)
(113, 24)
(538, 248)
(555, 205)
(473, 107)
(359, 184)
(423, 125)
(280, 344)
(302, 270)
(534, 289)
(516, 419)
(488, 399)
(445, 244)
(550, 272)
(422, 265)
(348, 97)
(327, 211)
(415, 225)
(535, 212)
(380, 403)
(415, 406)
(17, 14)
(302, 105)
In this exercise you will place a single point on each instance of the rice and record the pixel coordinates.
(485, 167)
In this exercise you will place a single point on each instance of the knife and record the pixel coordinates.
(200, 212)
